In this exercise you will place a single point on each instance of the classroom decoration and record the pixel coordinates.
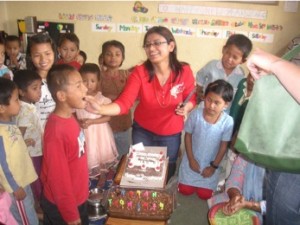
(129, 28)
(181, 25)
(138, 7)
(103, 27)
(212, 11)
(269, 133)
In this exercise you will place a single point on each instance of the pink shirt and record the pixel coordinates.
(155, 111)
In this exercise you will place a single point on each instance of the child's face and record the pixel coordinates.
(2, 54)
(232, 57)
(214, 104)
(33, 92)
(91, 82)
(113, 57)
(12, 48)
(13, 108)
(42, 56)
(68, 51)
(75, 91)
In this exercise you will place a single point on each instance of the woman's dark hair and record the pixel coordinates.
(116, 44)
(242, 42)
(90, 68)
(39, 38)
(23, 78)
(222, 88)
(176, 66)
(6, 89)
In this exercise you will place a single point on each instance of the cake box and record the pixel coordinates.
(145, 168)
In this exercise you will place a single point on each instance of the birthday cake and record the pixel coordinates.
(140, 203)
(145, 168)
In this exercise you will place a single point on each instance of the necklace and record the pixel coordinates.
(157, 93)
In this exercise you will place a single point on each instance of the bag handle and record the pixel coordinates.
(292, 53)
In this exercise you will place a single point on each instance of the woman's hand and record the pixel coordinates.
(260, 63)
(93, 105)
(181, 110)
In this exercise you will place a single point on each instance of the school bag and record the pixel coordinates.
(270, 130)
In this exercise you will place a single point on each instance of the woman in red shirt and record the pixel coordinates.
(161, 84)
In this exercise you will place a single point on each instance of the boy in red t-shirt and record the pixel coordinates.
(64, 169)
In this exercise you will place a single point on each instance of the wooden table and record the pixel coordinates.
(119, 221)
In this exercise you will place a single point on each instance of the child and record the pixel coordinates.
(68, 48)
(207, 133)
(16, 169)
(28, 121)
(237, 109)
(101, 147)
(15, 59)
(4, 71)
(235, 52)
(64, 169)
(113, 81)
(41, 52)
(81, 58)
(5, 202)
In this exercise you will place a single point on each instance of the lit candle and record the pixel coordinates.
(122, 203)
(161, 206)
(154, 194)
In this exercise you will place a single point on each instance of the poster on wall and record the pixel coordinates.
(53, 28)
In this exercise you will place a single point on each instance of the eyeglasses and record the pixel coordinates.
(156, 44)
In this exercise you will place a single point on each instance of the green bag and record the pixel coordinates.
(270, 130)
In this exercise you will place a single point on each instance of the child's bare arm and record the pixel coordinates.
(86, 123)
(194, 165)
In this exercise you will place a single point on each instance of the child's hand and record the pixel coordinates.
(76, 222)
(82, 123)
(208, 171)
(29, 142)
(194, 165)
(85, 123)
(7, 76)
(234, 205)
(13, 60)
(20, 194)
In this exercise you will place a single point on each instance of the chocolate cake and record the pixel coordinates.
(140, 203)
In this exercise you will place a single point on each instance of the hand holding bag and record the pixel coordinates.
(270, 130)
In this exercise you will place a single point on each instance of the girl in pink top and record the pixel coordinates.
(5, 215)
(101, 148)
